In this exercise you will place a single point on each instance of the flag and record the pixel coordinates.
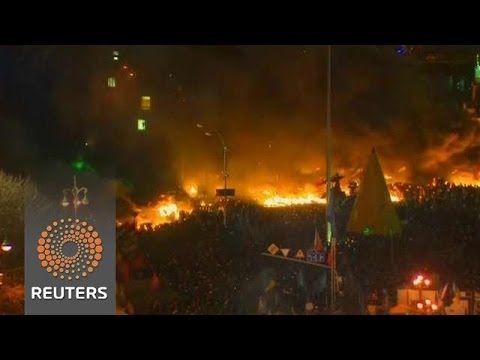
(330, 258)
(317, 242)
(270, 286)
(155, 284)
(262, 305)
(448, 294)
(373, 211)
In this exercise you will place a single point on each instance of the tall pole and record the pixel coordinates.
(330, 241)
(225, 175)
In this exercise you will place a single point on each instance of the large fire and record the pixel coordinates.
(290, 194)
(459, 177)
(304, 199)
(281, 201)
(163, 211)
(306, 196)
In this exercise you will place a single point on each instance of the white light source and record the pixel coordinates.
(111, 83)
(65, 202)
(6, 245)
(85, 200)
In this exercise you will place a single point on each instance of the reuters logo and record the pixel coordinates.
(69, 249)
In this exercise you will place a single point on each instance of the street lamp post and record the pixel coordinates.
(420, 283)
(225, 173)
(75, 192)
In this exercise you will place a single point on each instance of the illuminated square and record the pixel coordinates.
(145, 103)
(111, 82)
(141, 125)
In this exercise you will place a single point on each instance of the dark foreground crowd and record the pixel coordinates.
(196, 266)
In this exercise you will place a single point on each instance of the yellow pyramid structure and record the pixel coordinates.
(373, 212)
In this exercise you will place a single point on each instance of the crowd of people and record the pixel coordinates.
(208, 269)
(442, 227)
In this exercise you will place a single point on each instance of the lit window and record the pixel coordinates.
(116, 55)
(145, 102)
(111, 82)
(477, 70)
(141, 125)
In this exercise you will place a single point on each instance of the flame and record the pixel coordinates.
(163, 211)
(306, 199)
(282, 201)
(169, 210)
(459, 177)
(395, 198)
(193, 190)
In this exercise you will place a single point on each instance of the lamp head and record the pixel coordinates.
(6, 245)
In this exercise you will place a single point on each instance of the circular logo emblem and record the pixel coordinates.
(69, 249)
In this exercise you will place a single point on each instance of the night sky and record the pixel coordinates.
(268, 101)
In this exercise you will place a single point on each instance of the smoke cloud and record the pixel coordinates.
(267, 101)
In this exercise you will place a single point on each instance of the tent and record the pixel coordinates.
(373, 212)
